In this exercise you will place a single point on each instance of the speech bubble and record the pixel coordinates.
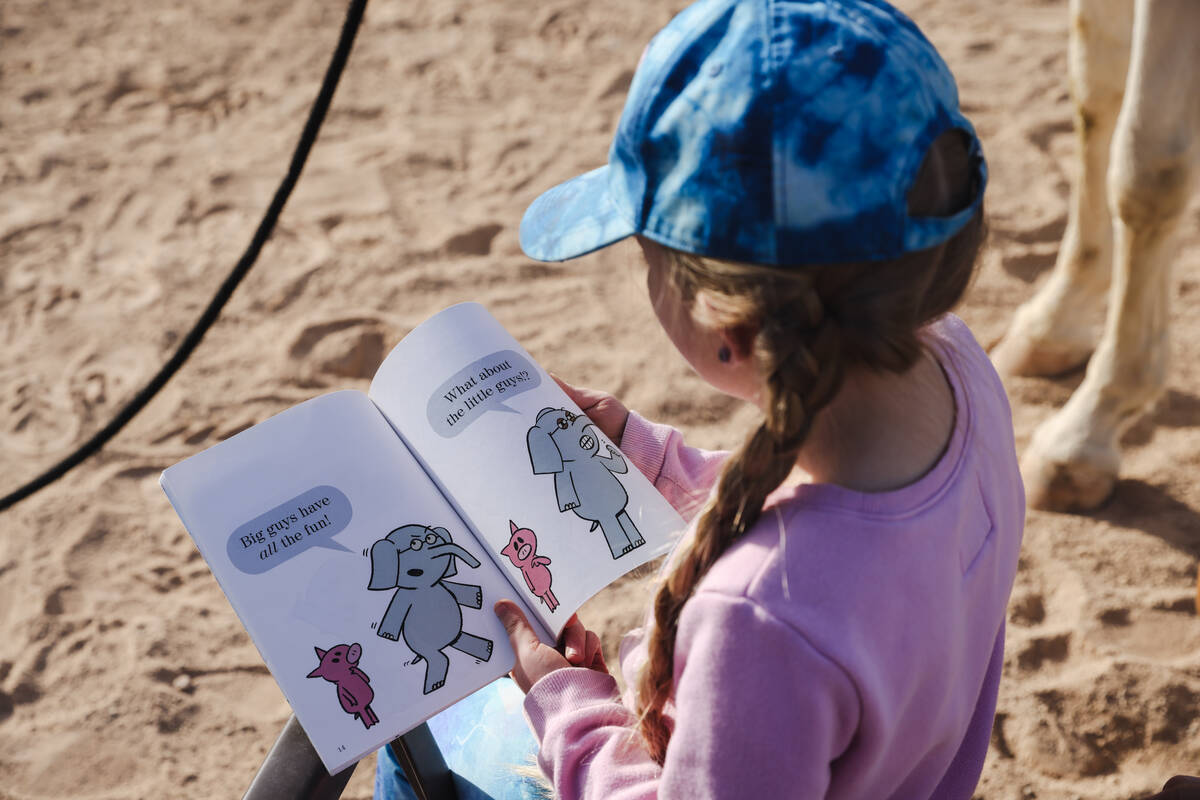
(483, 385)
(310, 519)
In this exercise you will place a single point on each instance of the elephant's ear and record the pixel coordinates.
(543, 452)
(385, 565)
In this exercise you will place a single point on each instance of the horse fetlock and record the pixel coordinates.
(1064, 486)
(1070, 464)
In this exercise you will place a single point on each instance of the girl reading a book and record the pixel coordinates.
(808, 199)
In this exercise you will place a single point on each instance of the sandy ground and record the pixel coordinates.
(139, 144)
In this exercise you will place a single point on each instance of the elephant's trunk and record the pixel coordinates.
(451, 549)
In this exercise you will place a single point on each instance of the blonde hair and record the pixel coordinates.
(814, 323)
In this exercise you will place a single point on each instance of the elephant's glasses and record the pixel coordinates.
(416, 544)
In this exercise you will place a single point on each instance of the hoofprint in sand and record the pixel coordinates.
(140, 145)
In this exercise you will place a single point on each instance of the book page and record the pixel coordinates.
(562, 511)
(359, 584)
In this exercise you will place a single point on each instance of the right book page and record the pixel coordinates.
(558, 506)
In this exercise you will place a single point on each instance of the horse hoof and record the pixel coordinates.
(1020, 354)
(1052, 485)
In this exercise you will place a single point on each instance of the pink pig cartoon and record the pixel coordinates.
(522, 552)
(339, 665)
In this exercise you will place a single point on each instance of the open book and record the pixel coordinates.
(364, 538)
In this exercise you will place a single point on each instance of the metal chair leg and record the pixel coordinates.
(293, 770)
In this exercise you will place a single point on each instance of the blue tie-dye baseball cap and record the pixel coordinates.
(772, 132)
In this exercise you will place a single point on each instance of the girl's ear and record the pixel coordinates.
(740, 340)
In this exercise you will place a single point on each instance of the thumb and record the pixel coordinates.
(578, 395)
(520, 633)
(533, 660)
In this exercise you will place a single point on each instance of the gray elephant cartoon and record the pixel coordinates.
(415, 560)
(568, 446)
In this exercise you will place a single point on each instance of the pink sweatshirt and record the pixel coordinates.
(849, 646)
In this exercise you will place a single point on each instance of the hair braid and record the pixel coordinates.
(797, 350)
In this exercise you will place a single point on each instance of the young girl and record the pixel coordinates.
(808, 200)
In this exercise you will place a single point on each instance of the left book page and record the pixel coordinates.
(321, 527)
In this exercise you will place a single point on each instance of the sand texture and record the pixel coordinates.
(139, 145)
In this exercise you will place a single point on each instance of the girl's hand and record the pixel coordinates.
(607, 412)
(534, 659)
(581, 646)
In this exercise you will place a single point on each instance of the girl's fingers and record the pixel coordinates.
(574, 642)
(579, 396)
(602, 408)
(594, 654)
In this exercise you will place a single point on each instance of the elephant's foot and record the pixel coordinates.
(614, 536)
(629, 548)
(472, 645)
(1064, 470)
(631, 531)
(435, 670)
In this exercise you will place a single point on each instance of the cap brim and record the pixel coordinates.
(573, 219)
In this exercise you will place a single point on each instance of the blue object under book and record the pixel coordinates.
(485, 742)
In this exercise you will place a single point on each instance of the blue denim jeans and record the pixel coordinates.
(485, 742)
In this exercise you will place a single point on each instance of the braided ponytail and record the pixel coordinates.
(797, 353)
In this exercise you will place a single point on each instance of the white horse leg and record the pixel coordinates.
(1055, 330)
(1072, 461)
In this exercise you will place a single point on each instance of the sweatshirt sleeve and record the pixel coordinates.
(684, 475)
(759, 712)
